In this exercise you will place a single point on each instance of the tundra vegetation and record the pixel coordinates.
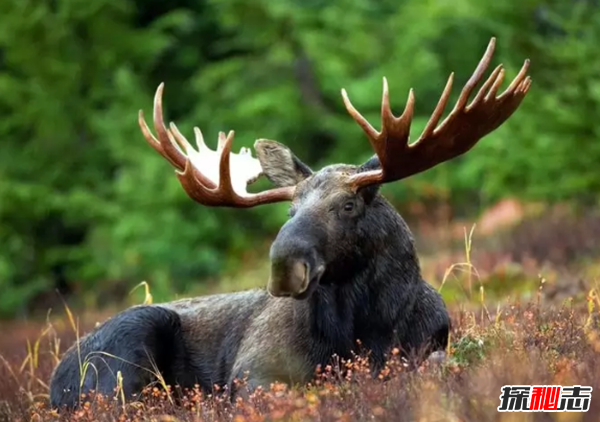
(80, 214)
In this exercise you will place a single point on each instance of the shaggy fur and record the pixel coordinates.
(362, 282)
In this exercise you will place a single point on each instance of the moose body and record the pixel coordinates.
(343, 267)
(374, 294)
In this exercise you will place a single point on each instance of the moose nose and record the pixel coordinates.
(296, 263)
(289, 277)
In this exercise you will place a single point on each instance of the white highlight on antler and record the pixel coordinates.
(244, 168)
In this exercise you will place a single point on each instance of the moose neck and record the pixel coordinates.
(365, 296)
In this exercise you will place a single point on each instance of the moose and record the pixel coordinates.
(343, 268)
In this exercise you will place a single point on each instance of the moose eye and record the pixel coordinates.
(349, 206)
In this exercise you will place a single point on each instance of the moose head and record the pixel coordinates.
(338, 208)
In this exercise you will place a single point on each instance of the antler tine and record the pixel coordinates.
(360, 119)
(197, 171)
(179, 138)
(199, 139)
(439, 108)
(497, 74)
(477, 75)
(153, 142)
(521, 76)
(458, 132)
(495, 85)
(169, 148)
(225, 163)
(222, 140)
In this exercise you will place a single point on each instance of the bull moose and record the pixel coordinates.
(343, 267)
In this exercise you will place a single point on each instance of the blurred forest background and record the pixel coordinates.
(88, 209)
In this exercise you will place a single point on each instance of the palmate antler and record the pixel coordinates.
(457, 134)
(208, 176)
(220, 178)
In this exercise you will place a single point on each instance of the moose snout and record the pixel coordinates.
(295, 272)
(296, 264)
(289, 278)
(295, 278)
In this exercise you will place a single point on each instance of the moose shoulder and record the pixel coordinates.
(343, 267)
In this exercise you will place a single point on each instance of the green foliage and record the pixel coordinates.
(469, 350)
(84, 199)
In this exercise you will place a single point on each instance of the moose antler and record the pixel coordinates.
(457, 134)
(212, 178)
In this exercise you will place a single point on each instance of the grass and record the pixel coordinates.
(497, 339)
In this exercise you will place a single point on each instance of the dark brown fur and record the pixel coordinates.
(346, 260)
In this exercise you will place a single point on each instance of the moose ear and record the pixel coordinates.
(279, 163)
(371, 164)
